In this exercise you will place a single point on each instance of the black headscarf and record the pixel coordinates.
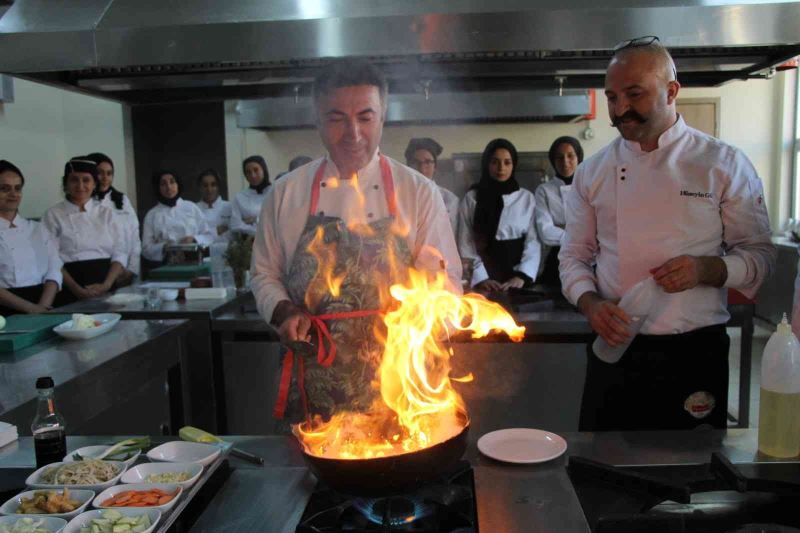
(8, 166)
(576, 145)
(489, 194)
(116, 196)
(169, 202)
(423, 143)
(263, 164)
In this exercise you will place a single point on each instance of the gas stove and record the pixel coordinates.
(444, 506)
(715, 497)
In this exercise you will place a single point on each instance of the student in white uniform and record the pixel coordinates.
(247, 202)
(91, 242)
(122, 208)
(422, 154)
(298, 162)
(496, 227)
(667, 201)
(565, 154)
(362, 209)
(30, 268)
(173, 220)
(216, 210)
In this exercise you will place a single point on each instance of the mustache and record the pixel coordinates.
(628, 115)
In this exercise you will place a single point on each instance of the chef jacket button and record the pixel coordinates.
(623, 170)
(369, 215)
(322, 184)
(375, 187)
(321, 213)
(622, 178)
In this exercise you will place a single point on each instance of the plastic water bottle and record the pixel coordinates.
(218, 263)
(779, 410)
(637, 303)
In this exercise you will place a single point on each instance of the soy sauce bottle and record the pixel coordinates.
(48, 428)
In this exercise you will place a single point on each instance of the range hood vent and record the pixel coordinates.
(151, 51)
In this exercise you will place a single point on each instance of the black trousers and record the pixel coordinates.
(32, 293)
(84, 273)
(661, 382)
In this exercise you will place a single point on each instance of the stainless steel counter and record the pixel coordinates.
(92, 375)
(511, 498)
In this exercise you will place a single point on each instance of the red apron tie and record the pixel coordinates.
(325, 357)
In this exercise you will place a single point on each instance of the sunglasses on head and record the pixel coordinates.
(640, 41)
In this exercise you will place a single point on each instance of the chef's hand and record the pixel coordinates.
(513, 283)
(293, 322)
(687, 272)
(488, 285)
(188, 240)
(606, 318)
(249, 220)
(221, 229)
(97, 289)
(83, 293)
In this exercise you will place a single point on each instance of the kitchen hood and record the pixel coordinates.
(156, 51)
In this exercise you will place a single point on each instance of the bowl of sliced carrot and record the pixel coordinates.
(161, 496)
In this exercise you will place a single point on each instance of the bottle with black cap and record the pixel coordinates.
(48, 428)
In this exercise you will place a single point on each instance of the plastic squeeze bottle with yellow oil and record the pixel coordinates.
(779, 413)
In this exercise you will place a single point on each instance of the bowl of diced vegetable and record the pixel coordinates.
(61, 503)
(115, 521)
(183, 474)
(31, 524)
(126, 451)
(161, 496)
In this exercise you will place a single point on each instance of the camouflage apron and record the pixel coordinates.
(367, 259)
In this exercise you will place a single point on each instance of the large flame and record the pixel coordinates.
(418, 407)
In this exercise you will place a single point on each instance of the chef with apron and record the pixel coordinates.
(91, 241)
(667, 201)
(355, 217)
(30, 267)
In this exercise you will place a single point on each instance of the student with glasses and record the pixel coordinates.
(667, 201)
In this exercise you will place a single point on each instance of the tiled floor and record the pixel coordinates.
(760, 337)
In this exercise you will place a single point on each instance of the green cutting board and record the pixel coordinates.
(179, 272)
(42, 326)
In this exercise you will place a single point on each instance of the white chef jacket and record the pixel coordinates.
(451, 203)
(550, 215)
(516, 220)
(84, 235)
(284, 215)
(217, 214)
(694, 195)
(129, 222)
(164, 224)
(28, 254)
(246, 203)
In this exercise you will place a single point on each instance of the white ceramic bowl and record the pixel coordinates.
(107, 321)
(90, 452)
(34, 481)
(79, 495)
(139, 473)
(110, 492)
(49, 523)
(168, 294)
(178, 451)
(85, 519)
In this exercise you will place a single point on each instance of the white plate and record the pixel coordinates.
(82, 496)
(50, 523)
(522, 445)
(34, 482)
(90, 452)
(113, 491)
(125, 298)
(107, 321)
(178, 451)
(85, 519)
(139, 473)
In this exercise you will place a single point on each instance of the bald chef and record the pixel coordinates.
(362, 217)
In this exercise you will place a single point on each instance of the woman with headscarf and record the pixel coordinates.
(496, 229)
(216, 210)
(565, 154)
(422, 154)
(30, 267)
(106, 195)
(246, 205)
(91, 242)
(173, 220)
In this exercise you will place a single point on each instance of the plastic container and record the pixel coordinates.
(637, 302)
(779, 410)
(218, 265)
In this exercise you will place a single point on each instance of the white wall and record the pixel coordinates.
(749, 114)
(45, 126)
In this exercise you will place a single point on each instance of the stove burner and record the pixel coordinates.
(395, 511)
